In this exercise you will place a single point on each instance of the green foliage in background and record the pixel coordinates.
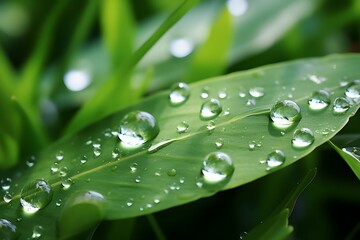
(60, 148)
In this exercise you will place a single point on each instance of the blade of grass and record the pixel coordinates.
(155, 226)
(115, 93)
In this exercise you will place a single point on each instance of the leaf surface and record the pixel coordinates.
(134, 182)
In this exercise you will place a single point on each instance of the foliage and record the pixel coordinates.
(66, 138)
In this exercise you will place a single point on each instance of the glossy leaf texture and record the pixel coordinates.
(166, 171)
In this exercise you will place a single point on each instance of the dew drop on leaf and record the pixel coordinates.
(353, 151)
(115, 153)
(6, 183)
(179, 94)
(285, 113)
(30, 162)
(204, 92)
(7, 230)
(210, 126)
(138, 179)
(353, 90)
(222, 94)
(60, 155)
(66, 183)
(137, 128)
(210, 109)
(275, 159)
(35, 196)
(37, 232)
(251, 102)
(219, 143)
(54, 168)
(58, 202)
(302, 138)
(83, 159)
(257, 92)
(97, 151)
(7, 197)
(182, 127)
(319, 100)
(341, 105)
(133, 167)
(217, 170)
(172, 172)
(63, 171)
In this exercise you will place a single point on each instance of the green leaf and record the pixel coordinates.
(136, 182)
(118, 29)
(351, 155)
(275, 228)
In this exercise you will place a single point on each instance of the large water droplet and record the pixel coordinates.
(257, 92)
(7, 230)
(37, 232)
(319, 100)
(210, 109)
(217, 170)
(285, 113)
(35, 196)
(182, 127)
(137, 128)
(353, 90)
(179, 93)
(302, 138)
(341, 105)
(275, 159)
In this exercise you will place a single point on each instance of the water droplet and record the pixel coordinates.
(35, 196)
(138, 179)
(219, 143)
(222, 94)
(181, 47)
(59, 156)
(97, 151)
(319, 100)
(58, 202)
(204, 92)
(156, 201)
(353, 90)
(115, 153)
(252, 145)
(210, 126)
(137, 128)
(217, 169)
(251, 102)
(316, 79)
(242, 92)
(237, 7)
(275, 159)
(83, 159)
(133, 167)
(156, 147)
(7, 230)
(341, 105)
(77, 79)
(353, 151)
(302, 138)
(37, 232)
(54, 168)
(31, 162)
(182, 180)
(6, 184)
(7, 197)
(171, 172)
(285, 113)
(210, 109)
(257, 92)
(63, 171)
(66, 183)
(182, 127)
(179, 94)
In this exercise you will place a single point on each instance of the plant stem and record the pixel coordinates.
(155, 226)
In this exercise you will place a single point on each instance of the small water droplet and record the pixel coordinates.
(35, 196)
(341, 105)
(210, 126)
(204, 92)
(217, 170)
(30, 162)
(275, 159)
(182, 180)
(257, 92)
(130, 202)
(6, 183)
(179, 94)
(172, 172)
(133, 167)
(285, 113)
(302, 138)
(210, 109)
(97, 151)
(115, 153)
(63, 171)
(182, 127)
(181, 47)
(156, 201)
(138, 179)
(7, 230)
(66, 183)
(222, 94)
(353, 151)
(83, 159)
(319, 100)
(137, 128)
(37, 232)
(316, 79)
(60, 155)
(7, 197)
(97, 143)
(251, 102)
(219, 143)
(54, 168)
(58, 202)
(252, 145)
(353, 90)
(242, 92)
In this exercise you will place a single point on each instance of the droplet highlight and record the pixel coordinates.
(285, 113)
(353, 90)
(275, 159)
(210, 109)
(257, 92)
(319, 100)
(341, 105)
(179, 94)
(182, 127)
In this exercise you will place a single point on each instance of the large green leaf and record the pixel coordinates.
(137, 182)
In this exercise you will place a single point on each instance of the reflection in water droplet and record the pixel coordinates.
(257, 92)
(319, 100)
(302, 138)
(181, 47)
(179, 94)
(182, 127)
(252, 145)
(217, 170)
(285, 113)
(353, 151)
(353, 90)
(37, 232)
(6, 184)
(341, 105)
(35, 196)
(137, 128)
(237, 7)
(7, 230)
(275, 159)
(210, 109)
(204, 92)
(171, 172)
